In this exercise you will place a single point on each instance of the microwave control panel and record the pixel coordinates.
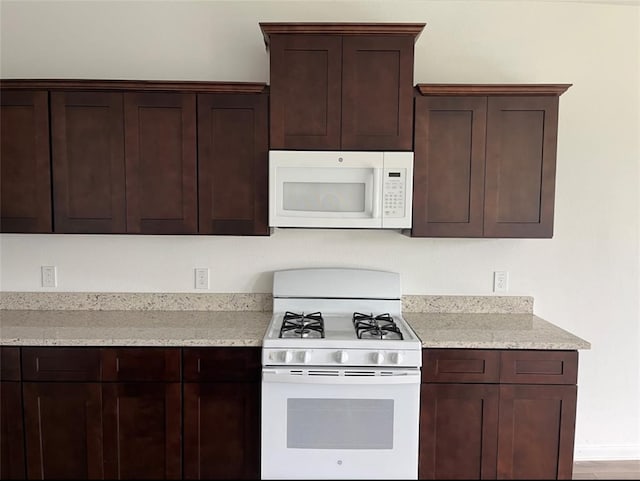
(394, 186)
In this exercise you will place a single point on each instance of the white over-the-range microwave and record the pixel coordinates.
(340, 189)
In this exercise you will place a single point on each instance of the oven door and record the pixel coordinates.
(340, 423)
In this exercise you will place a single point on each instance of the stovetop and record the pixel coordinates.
(339, 317)
(337, 339)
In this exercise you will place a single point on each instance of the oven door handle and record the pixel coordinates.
(330, 376)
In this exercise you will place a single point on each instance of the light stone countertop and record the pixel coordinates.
(132, 328)
(247, 328)
(241, 319)
(491, 331)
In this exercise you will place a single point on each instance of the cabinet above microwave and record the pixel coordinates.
(334, 189)
(341, 86)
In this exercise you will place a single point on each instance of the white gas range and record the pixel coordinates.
(340, 378)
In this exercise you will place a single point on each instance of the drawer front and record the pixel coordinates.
(141, 364)
(225, 364)
(539, 367)
(61, 364)
(460, 365)
(9, 363)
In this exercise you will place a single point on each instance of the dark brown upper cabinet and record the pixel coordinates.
(25, 173)
(341, 86)
(124, 161)
(233, 164)
(87, 130)
(485, 160)
(126, 158)
(160, 151)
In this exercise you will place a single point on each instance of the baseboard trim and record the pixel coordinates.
(605, 452)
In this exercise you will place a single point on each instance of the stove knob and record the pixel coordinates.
(378, 357)
(287, 356)
(398, 357)
(343, 357)
(306, 357)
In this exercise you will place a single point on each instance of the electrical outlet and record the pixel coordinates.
(500, 281)
(49, 276)
(202, 277)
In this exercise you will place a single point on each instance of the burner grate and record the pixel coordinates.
(302, 325)
(382, 326)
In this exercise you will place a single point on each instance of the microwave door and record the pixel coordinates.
(327, 197)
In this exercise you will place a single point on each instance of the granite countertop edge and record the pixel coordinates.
(242, 328)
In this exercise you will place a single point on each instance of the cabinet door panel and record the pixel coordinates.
(10, 363)
(88, 162)
(377, 93)
(63, 430)
(25, 170)
(143, 364)
(536, 431)
(233, 164)
(539, 367)
(520, 166)
(458, 431)
(160, 152)
(12, 460)
(448, 196)
(142, 425)
(460, 365)
(61, 364)
(222, 364)
(306, 77)
(222, 430)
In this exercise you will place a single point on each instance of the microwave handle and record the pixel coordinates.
(377, 192)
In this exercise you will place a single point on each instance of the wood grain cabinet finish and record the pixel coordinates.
(93, 413)
(25, 172)
(222, 413)
(233, 164)
(458, 431)
(341, 86)
(12, 457)
(505, 414)
(142, 413)
(133, 413)
(124, 162)
(160, 152)
(87, 138)
(129, 157)
(62, 412)
(63, 430)
(485, 160)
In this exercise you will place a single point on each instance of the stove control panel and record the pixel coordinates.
(342, 357)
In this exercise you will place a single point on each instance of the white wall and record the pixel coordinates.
(585, 279)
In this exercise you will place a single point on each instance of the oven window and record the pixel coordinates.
(324, 196)
(340, 423)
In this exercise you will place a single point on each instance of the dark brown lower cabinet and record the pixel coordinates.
(221, 408)
(221, 430)
(141, 430)
(125, 413)
(536, 432)
(11, 429)
(458, 431)
(484, 420)
(63, 430)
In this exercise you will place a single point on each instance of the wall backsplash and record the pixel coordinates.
(100, 301)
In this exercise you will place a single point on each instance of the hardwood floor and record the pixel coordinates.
(606, 469)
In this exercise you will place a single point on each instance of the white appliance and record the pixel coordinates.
(340, 378)
(340, 189)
